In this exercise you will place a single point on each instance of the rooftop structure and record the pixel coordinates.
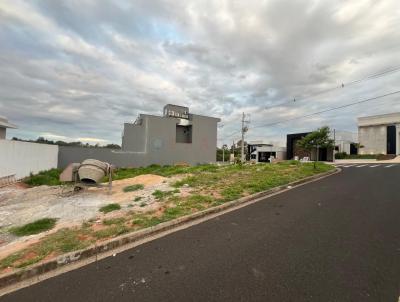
(4, 124)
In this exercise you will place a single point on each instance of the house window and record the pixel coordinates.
(184, 134)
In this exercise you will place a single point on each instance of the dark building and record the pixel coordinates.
(291, 145)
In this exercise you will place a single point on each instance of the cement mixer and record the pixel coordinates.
(91, 171)
(88, 173)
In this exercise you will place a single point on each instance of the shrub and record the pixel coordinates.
(35, 227)
(110, 207)
(340, 155)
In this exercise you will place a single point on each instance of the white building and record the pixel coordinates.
(379, 134)
(4, 124)
(345, 141)
(261, 151)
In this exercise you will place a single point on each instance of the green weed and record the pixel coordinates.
(35, 227)
(111, 221)
(49, 177)
(133, 188)
(110, 207)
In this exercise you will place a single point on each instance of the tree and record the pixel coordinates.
(112, 146)
(315, 140)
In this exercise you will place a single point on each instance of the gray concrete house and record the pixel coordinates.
(4, 124)
(175, 137)
(379, 134)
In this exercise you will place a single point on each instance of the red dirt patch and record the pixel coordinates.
(83, 237)
(50, 256)
(27, 257)
(7, 270)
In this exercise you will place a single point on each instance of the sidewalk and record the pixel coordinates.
(366, 161)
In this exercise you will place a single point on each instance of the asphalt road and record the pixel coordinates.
(337, 239)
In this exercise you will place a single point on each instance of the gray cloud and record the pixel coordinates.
(82, 68)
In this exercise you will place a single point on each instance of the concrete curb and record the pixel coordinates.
(62, 260)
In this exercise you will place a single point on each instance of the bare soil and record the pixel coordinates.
(20, 204)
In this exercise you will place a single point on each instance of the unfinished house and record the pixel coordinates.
(175, 137)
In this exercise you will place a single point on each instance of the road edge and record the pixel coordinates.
(31, 275)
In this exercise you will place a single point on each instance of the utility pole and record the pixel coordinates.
(233, 150)
(334, 144)
(244, 130)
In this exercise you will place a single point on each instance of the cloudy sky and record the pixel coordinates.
(80, 69)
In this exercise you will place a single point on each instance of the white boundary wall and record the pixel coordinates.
(22, 158)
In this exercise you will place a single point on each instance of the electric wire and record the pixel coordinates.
(327, 110)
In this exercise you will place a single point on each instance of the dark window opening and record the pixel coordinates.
(353, 148)
(184, 134)
(391, 140)
(263, 157)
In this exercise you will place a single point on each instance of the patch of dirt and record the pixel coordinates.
(27, 257)
(149, 181)
(98, 227)
(16, 246)
(50, 256)
(20, 204)
(7, 270)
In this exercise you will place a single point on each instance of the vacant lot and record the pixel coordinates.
(137, 201)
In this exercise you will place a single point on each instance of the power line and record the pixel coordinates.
(329, 109)
(366, 78)
(230, 135)
(369, 77)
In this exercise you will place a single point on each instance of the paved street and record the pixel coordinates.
(337, 239)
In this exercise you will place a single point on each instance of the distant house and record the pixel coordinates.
(4, 124)
(344, 142)
(379, 134)
(262, 151)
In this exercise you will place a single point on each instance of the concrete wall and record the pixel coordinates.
(22, 158)
(134, 137)
(373, 138)
(162, 147)
(118, 158)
